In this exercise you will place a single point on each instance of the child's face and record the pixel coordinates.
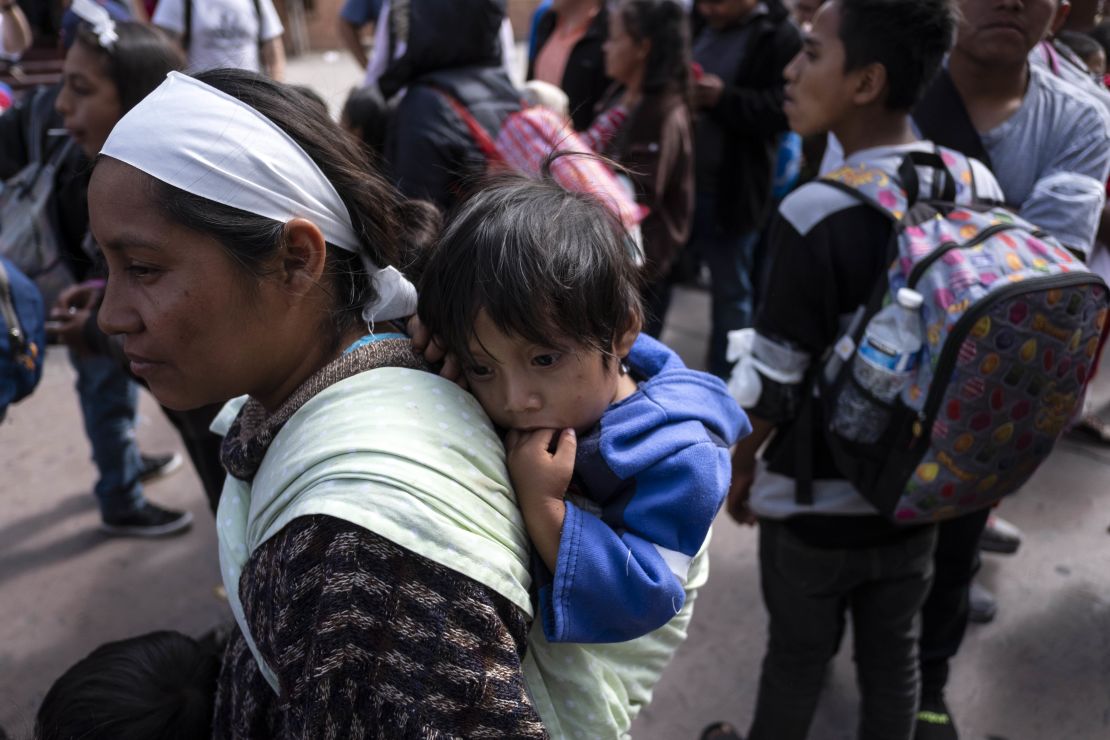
(524, 386)
(1097, 64)
(819, 93)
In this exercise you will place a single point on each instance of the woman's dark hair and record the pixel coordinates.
(664, 23)
(546, 264)
(138, 61)
(908, 37)
(160, 685)
(252, 240)
(1082, 44)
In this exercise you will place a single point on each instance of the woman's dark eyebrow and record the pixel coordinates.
(125, 242)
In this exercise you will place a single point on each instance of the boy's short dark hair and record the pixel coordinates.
(161, 685)
(546, 264)
(908, 37)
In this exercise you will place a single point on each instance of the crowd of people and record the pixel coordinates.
(460, 486)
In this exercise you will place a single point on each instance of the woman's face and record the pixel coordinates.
(624, 55)
(195, 326)
(89, 100)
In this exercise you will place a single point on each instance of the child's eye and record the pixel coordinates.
(479, 371)
(546, 360)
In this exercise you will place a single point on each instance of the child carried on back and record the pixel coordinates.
(618, 453)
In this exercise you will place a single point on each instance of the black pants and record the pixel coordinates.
(944, 615)
(808, 592)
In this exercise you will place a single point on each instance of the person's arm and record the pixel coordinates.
(273, 58)
(349, 33)
(17, 31)
(1068, 200)
(743, 470)
(751, 111)
(366, 637)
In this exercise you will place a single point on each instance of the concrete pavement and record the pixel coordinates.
(1041, 671)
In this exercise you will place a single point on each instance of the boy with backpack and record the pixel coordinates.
(824, 548)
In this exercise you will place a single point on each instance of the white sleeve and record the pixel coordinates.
(508, 50)
(833, 157)
(170, 15)
(271, 26)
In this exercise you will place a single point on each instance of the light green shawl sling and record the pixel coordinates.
(413, 458)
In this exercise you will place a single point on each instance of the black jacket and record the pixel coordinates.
(431, 152)
(750, 113)
(71, 182)
(454, 50)
(584, 79)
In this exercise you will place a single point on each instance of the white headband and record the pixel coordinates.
(206, 142)
(97, 17)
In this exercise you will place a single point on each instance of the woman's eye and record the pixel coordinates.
(546, 360)
(479, 371)
(141, 271)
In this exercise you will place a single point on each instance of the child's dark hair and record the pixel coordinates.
(161, 685)
(665, 24)
(1083, 45)
(547, 265)
(908, 37)
(137, 62)
(1101, 35)
(368, 112)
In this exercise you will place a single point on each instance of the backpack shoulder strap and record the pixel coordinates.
(258, 15)
(871, 186)
(478, 133)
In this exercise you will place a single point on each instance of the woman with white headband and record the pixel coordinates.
(373, 554)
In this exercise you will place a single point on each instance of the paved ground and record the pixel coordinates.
(1041, 671)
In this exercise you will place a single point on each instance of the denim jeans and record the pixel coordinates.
(730, 259)
(109, 403)
(807, 592)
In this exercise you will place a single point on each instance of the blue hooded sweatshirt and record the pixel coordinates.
(648, 482)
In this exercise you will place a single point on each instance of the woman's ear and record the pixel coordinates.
(303, 256)
(622, 343)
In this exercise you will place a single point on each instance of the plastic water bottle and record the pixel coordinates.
(883, 365)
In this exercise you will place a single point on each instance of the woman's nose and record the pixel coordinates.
(115, 315)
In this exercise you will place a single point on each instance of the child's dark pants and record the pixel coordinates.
(808, 591)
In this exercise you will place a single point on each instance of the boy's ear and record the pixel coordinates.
(871, 82)
(623, 342)
(303, 256)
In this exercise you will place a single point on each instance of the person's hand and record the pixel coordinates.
(538, 474)
(83, 295)
(707, 91)
(739, 491)
(71, 312)
(424, 343)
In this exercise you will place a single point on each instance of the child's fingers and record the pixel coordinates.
(568, 447)
(419, 333)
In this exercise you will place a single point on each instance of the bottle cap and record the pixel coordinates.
(909, 298)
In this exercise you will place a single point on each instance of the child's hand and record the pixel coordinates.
(537, 473)
(424, 343)
(540, 479)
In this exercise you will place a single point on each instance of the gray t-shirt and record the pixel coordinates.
(1052, 158)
